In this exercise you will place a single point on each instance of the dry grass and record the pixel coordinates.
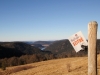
(66, 66)
(9, 71)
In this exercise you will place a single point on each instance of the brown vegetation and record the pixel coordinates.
(25, 59)
(65, 66)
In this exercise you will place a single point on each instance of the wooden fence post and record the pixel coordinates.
(92, 48)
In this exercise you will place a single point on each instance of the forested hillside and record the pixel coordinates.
(16, 49)
(19, 53)
(63, 48)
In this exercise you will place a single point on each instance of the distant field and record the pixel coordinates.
(65, 66)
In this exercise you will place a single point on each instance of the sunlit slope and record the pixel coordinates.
(66, 66)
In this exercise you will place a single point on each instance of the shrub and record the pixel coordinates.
(19, 68)
(3, 66)
(68, 67)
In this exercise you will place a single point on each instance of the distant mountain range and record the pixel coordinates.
(40, 44)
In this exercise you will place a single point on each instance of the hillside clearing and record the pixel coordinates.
(65, 66)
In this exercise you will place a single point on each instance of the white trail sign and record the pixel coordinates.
(77, 40)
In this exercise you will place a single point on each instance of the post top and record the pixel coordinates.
(93, 22)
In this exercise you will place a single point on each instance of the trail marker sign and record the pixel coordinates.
(77, 40)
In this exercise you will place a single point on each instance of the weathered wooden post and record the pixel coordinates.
(92, 48)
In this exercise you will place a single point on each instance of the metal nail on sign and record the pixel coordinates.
(77, 40)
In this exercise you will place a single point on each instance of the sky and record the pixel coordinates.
(33, 20)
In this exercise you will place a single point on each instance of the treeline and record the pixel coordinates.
(25, 59)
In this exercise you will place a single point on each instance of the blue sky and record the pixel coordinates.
(32, 20)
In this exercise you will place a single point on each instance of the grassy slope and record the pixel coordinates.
(66, 66)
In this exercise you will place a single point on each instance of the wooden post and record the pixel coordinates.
(92, 48)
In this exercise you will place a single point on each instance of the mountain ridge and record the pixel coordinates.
(18, 48)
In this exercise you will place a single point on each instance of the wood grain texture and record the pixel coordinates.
(92, 48)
